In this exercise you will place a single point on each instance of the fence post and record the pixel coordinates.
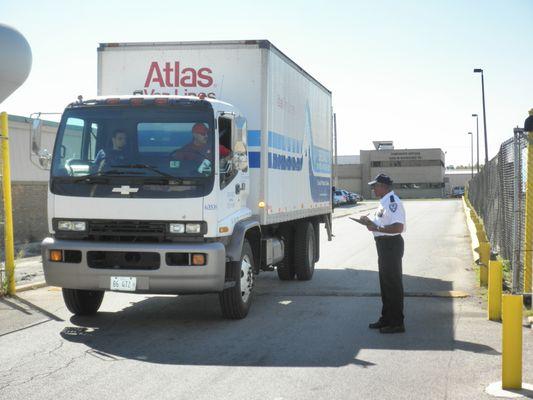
(528, 240)
(8, 227)
(495, 291)
(517, 189)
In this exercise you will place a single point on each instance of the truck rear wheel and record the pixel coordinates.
(286, 270)
(235, 301)
(83, 302)
(304, 251)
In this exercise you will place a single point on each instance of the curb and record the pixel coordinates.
(30, 286)
(471, 230)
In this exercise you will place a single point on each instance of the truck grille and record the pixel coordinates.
(127, 231)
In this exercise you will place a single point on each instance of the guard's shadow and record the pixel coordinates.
(282, 330)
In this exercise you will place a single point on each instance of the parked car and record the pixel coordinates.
(339, 198)
(458, 191)
(350, 197)
(358, 197)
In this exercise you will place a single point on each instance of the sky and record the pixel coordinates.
(398, 70)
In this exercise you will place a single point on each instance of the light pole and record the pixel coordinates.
(472, 152)
(480, 71)
(477, 140)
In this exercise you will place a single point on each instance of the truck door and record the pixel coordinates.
(233, 177)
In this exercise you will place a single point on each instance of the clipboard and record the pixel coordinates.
(360, 221)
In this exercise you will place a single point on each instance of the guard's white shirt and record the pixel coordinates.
(390, 211)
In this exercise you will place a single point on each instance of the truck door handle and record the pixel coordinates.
(237, 189)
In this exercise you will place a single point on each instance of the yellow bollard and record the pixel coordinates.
(495, 291)
(8, 213)
(484, 252)
(528, 237)
(512, 342)
(484, 257)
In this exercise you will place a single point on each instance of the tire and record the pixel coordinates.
(83, 302)
(235, 301)
(304, 251)
(286, 270)
(316, 231)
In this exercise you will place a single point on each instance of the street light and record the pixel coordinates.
(472, 152)
(477, 140)
(480, 71)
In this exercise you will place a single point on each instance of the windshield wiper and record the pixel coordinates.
(98, 177)
(153, 169)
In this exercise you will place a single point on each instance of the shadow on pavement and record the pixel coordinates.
(281, 330)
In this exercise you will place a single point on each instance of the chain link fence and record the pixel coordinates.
(3, 277)
(498, 194)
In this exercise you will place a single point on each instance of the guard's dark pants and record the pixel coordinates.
(390, 253)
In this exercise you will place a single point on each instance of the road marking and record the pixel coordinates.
(454, 294)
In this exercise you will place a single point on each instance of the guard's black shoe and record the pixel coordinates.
(377, 325)
(392, 329)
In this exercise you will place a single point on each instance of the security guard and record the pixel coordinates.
(387, 224)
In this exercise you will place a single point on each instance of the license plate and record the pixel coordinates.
(123, 283)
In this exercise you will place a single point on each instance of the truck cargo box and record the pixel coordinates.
(289, 113)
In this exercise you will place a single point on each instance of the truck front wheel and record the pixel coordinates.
(304, 251)
(83, 302)
(235, 301)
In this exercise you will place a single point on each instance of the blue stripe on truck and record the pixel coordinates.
(254, 138)
(254, 159)
(321, 159)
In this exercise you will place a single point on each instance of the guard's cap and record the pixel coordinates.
(200, 128)
(381, 178)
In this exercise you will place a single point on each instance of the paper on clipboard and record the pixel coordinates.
(362, 222)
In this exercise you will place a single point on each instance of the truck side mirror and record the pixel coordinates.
(38, 156)
(240, 130)
(240, 156)
(45, 159)
(35, 135)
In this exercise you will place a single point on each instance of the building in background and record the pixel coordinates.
(29, 183)
(349, 173)
(456, 178)
(417, 173)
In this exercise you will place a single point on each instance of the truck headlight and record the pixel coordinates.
(73, 226)
(193, 228)
(176, 228)
(187, 228)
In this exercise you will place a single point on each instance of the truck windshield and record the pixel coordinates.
(124, 144)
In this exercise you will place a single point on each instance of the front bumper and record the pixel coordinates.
(164, 280)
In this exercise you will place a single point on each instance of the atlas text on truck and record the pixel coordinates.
(198, 165)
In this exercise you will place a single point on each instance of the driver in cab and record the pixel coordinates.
(118, 154)
(199, 149)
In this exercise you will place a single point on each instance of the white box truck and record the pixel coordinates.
(198, 165)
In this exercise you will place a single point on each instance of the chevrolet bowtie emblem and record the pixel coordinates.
(125, 190)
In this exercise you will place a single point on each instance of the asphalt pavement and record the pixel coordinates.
(301, 340)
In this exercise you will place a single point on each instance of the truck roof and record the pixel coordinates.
(125, 98)
(262, 44)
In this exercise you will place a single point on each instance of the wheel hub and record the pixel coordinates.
(247, 278)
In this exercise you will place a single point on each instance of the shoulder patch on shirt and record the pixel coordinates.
(391, 198)
(393, 207)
